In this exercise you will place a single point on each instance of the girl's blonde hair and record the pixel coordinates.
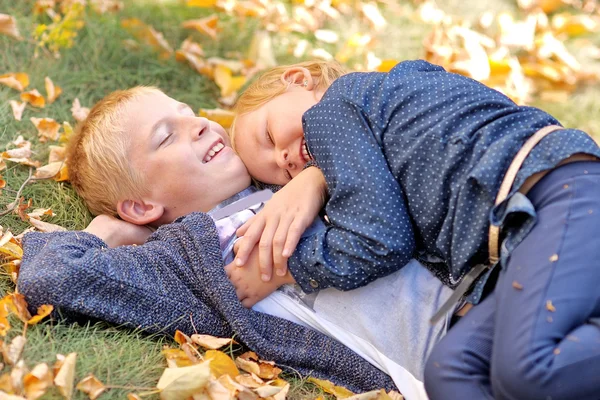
(97, 154)
(269, 85)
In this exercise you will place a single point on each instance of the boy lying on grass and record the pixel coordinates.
(148, 159)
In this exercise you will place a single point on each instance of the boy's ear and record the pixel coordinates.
(298, 76)
(139, 212)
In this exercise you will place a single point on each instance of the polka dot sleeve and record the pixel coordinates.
(369, 233)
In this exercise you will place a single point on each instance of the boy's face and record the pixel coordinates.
(270, 140)
(186, 161)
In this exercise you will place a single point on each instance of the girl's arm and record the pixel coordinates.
(153, 286)
(370, 233)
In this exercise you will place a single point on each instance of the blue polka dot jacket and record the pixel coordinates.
(413, 160)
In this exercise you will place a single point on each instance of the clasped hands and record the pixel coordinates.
(269, 238)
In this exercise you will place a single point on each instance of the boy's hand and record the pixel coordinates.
(281, 223)
(248, 286)
(116, 232)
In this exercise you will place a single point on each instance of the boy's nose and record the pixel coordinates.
(201, 126)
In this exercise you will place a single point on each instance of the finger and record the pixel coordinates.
(248, 302)
(294, 234)
(228, 269)
(279, 261)
(265, 250)
(249, 240)
(242, 229)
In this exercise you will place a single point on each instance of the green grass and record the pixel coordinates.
(99, 64)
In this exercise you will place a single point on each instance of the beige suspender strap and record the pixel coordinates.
(507, 183)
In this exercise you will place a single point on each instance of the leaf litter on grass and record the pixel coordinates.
(522, 56)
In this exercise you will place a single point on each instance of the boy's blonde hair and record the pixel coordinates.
(269, 85)
(97, 154)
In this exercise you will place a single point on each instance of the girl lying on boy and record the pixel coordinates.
(426, 161)
(148, 159)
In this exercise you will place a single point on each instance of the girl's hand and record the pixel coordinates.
(281, 223)
(248, 286)
(116, 232)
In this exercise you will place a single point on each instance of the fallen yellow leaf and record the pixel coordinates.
(34, 98)
(250, 362)
(221, 364)
(52, 91)
(20, 306)
(65, 377)
(42, 312)
(181, 383)
(47, 128)
(37, 381)
(17, 109)
(15, 80)
(8, 26)
(201, 3)
(228, 83)
(91, 386)
(148, 35)
(48, 171)
(338, 391)
(176, 358)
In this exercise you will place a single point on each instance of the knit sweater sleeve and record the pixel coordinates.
(151, 286)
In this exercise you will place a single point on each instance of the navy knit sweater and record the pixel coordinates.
(175, 281)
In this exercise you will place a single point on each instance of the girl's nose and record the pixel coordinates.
(200, 127)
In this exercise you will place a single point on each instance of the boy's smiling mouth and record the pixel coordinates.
(213, 151)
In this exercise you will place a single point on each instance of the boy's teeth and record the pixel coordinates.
(214, 150)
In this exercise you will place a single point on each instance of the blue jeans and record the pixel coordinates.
(537, 335)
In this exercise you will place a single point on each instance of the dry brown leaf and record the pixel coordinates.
(65, 377)
(267, 391)
(48, 171)
(79, 113)
(17, 109)
(42, 312)
(211, 342)
(261, 51)
(250, 362)
(34, 98)
(181, 337)
(133, 396)
(15, 80)
(23, 151)
(91, 386)
(20, 306)
(181, 383)
(549, 306)
(6, 383)
(8, 26)
(57, 153)
(216, 391)
(327, 386)
(373, 15)
(372, 395)
(207, 26)
(17, 374)
(249, 380)
(37, 382)
(45, 226)
(47, 128)
(104, 6)
(148, 35)
(52, 90)
(12, 352)
(221, 364)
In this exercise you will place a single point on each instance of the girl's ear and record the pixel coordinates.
(139, 212)
(298, 76)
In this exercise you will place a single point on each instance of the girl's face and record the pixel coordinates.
(270, 140)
